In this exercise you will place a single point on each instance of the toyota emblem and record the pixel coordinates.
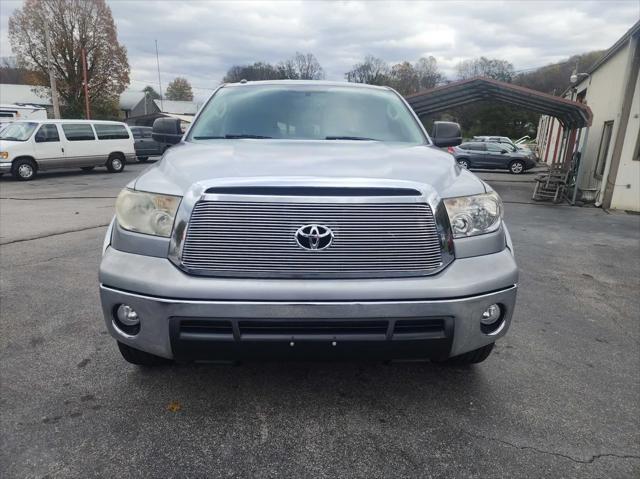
(314, 237)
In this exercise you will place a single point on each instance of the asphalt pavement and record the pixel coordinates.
(559, 397)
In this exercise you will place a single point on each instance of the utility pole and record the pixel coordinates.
(159, 81)
(52, 77)
(87, 112)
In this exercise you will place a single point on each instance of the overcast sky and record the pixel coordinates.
(201, 40)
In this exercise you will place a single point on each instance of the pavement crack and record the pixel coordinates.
(49, 235)
(590, 460)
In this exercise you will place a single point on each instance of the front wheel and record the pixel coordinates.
(516, 167)
(135, 356)
(463, 164)
(472, 357)
(24, 170)
(115, 163)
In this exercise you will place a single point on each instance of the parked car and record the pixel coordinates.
(27, 147)
(485, 154)
(304, 220)
(495, 139)
(519, 144)
(144, 143)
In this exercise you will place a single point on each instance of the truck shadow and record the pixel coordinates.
(204, 389)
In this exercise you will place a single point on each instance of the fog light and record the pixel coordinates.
(127, 315)
(491, 314)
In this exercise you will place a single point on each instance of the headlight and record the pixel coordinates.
(4, 155)
(474, 215)
(146, 213)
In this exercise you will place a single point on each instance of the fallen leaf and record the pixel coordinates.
(174, 406)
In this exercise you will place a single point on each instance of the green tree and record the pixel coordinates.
(180, 90)
(151, 93)
(73, 26)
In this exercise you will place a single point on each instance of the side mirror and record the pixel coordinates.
(167, 130)
(504, 151)
(446, 133)
(40, 137)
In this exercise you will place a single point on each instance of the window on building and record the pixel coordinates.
(78, 131)
(107, 131)
(603, 150)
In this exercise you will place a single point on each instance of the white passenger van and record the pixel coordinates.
(27, 147)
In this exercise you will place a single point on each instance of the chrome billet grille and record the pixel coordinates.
(257, 239)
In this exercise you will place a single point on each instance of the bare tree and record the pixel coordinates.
(403, 78)
(179, 90)
(484, 67)
(372, 70)
(256, 71)
(304, 66)
(429, 75)
(73, 25)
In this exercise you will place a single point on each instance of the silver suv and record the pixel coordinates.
(304, 220)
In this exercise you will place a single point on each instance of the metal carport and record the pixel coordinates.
(572, 115)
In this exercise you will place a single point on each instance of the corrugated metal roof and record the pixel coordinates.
(130, 98)
(23, 94)
(570, 113)
(177, 107)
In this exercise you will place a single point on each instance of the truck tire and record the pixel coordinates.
(24, 169)
(472, 357)
(140, 358)
(115, 163)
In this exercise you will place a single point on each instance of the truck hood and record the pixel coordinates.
(252, 162)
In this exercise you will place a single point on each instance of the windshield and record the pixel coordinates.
(307, 113)
(18, 131)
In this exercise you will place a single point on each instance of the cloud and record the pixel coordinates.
(201, 40)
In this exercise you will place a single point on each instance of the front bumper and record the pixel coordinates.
(186, 317)
(5, 166)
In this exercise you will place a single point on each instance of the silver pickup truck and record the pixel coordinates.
(307, 220)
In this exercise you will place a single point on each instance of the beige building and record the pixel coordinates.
(609, 171)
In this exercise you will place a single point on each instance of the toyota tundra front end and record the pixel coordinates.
(307, 220)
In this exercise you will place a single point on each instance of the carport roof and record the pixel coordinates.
(571, 113)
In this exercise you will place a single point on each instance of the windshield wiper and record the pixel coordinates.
(358, 138)
(242, 135)
(232, 137)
